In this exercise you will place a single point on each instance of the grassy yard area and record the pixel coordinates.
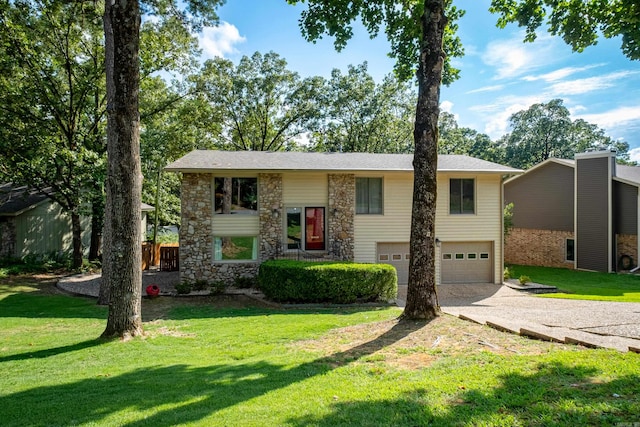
(227, 362)
(583, 284)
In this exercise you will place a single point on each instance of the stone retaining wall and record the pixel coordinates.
(544, 248)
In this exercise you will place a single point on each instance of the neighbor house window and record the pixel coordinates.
(235, 248)
(236, 195)
(570, 252)
(368, 195)
(462, 196)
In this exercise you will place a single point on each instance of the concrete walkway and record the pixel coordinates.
(595, 324)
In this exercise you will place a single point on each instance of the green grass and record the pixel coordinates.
(201, 365)
(584, 285)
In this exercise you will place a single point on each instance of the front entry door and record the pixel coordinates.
(314, 229)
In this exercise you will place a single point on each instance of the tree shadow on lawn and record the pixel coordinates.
(554, 394)
(188, 394)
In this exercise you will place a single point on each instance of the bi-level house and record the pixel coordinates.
(241, 208)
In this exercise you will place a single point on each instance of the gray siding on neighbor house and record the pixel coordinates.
(593, 234)
(543, 198)
(625, 205)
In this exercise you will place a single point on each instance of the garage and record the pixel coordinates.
(396, 254)
(466, 262)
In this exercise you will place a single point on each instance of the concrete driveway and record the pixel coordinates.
(592, 323)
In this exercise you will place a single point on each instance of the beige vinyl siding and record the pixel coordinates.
(394, 225)
(305, 189)
(484, 225)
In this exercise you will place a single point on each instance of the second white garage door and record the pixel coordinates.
(466, 262)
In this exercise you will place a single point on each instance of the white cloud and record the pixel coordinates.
(513, 57)
(560, 74)
(496, 115)
(487, 89)
(220, 40)
(446, 106)
(619, 117)
(634, 155)
(590, 84)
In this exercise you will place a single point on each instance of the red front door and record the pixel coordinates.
(314, 235)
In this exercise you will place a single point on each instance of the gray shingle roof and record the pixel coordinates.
(210, 160)
(16, 199)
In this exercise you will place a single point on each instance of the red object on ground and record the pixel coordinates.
(153, 290)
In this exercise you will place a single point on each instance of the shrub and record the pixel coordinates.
(333, 282)
(217, 287)
(507, 274)
(183, 288)
(200, 285)
(524, 279)
(245, 282)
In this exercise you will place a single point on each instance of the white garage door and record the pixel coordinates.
(466, 262)
(396, 254)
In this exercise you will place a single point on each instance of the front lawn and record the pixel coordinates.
(225, 362)
(585, 285)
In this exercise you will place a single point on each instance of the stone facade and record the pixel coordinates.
(544, 248)
(270, 210)
(627, 244)
(7, 238)
(342, 193)
(196, 237)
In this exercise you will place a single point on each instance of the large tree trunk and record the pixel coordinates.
(422, 299)
(97, 222)
(124, 177)
(76, 233)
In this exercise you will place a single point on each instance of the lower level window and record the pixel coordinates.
(235, 248)
(570, 250)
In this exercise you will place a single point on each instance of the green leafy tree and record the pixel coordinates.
(52, 102)
(579, 23)
(546, 130)
(261, 105)
(461, 140)
(362, 116)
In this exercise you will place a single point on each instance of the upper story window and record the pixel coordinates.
(368, 195)
(462, 196)
(236, 195)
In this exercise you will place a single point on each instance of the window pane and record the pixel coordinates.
(375, 195)
(362, 196)
(294, 228)
(236, 195)
(468, 204)
(455, 196)
(235, 248)
(369, 195)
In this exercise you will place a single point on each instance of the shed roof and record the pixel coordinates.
(15, 199)
(210, 160)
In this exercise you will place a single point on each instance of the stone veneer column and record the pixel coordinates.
(271, 211)
(196, 244)
(342, 202)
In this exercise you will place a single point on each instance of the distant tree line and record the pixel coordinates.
(53, 103)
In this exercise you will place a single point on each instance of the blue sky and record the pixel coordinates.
(500, 74)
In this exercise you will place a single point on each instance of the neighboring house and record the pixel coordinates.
(32, 223)
(580, 213)
(241, 208)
